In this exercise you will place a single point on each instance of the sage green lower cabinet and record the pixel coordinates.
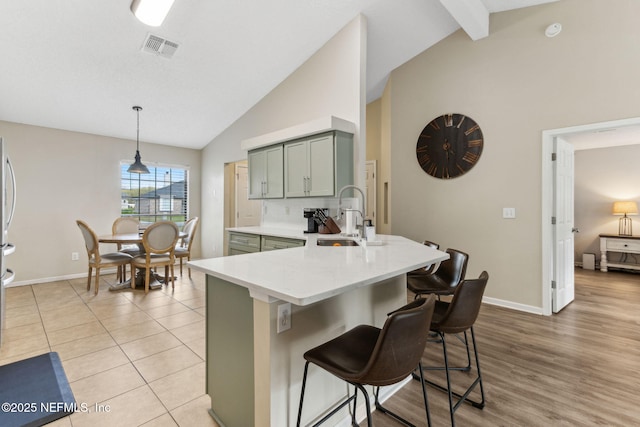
(243, 243)
(269, 243)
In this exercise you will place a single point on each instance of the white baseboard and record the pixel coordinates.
(513, 305)
(57, 278)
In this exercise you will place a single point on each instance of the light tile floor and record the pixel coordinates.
(141, 356)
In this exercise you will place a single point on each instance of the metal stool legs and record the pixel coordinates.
(337, 408)
(464, 397)
(378, 405)
(398, 417)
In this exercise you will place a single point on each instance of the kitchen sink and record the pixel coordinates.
(337, 242)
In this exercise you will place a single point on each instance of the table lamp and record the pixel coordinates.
(625, 208)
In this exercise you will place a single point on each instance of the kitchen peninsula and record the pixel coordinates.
(254, 373)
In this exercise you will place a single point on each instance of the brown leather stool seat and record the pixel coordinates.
(367, 355)
(444, 280)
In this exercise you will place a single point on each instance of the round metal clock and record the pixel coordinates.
(449, 146)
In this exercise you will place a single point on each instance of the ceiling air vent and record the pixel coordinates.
(159, 46)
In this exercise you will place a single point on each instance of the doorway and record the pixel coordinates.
(371, 191)
(549, 263)
(248, 212)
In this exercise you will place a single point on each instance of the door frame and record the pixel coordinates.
(548, 184)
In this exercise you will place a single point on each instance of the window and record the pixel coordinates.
(160, 195)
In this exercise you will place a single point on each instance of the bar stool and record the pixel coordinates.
(367, 355)
(454, 317)
(444, 280)
(429, 269)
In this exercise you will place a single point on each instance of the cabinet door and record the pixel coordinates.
(274, 173)
(266, 173)
(296, 166)
(257, 173)
(321, 167)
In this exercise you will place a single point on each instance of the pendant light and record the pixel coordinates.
(137, 166)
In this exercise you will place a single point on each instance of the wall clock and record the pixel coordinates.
(449, 146)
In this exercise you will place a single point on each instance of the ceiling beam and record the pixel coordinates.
(472, 15)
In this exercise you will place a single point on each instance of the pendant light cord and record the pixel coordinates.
(138, 127)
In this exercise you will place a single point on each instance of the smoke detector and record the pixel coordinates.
(553, 30)
(159, 46)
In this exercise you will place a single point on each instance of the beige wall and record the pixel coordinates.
(331, 82)
(62, 176)
(602, 176)
(515, 84)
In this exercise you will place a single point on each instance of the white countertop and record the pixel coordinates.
(312, 273)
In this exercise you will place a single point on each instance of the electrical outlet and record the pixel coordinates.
(75, 256)
(284, 317)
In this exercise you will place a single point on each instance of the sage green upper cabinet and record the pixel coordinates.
(318, 165)
(266, 173)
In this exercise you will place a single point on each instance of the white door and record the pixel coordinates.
(371, 190)
(563, 288)
(248, 212)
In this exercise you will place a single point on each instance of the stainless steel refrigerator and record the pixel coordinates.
(8, 204)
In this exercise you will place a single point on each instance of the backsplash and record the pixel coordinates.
(288, 213)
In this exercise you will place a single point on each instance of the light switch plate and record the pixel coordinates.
(509, 213)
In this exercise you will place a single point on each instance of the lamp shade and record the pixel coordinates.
(151, 12)
(138, 166)
(625, 208)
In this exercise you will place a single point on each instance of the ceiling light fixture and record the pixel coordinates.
(151, 12)
(137, 166)
(553, 30)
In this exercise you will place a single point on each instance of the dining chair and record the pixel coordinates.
(98, 260)
(455, 317)
(126, 225)
(367, 355)
(159, 242)
(183, 250)
(444, 280)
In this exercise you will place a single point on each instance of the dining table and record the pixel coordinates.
(131, 239)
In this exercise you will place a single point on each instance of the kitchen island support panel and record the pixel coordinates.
(229, 352)
(267, 384)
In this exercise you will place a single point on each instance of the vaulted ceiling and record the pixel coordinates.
(79, 65)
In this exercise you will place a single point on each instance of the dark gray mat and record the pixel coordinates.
(34, 392)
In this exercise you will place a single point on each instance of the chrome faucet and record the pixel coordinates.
(346, 187)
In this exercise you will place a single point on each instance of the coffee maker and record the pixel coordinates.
(312, 224)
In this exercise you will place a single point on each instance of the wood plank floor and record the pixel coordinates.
(576, 368)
